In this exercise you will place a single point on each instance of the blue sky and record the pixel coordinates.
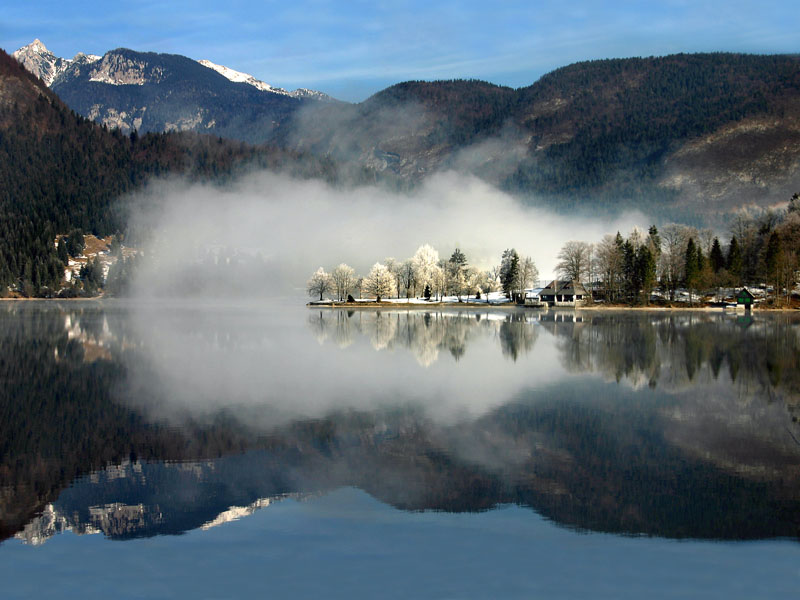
(352, 49)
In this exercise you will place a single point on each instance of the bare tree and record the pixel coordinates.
(609, 262)
(574, 260)
(672, 262)
(319, 284)
(528, 273)
(407, 277)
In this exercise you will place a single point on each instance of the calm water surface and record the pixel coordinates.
(221, 451)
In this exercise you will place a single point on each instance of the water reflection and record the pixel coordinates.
(140, 422)
(426, 333)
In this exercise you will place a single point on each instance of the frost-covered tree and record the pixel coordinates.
(393, 266)
(528, 273)
(379, 282)
(471, 281)
(424, 262)
(439, 280)
(319, 284)
(456, 276)
(490, 282)
(343, 278)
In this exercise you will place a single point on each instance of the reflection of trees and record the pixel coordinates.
(426, 334)
(606, 464)
(319, 326)
(516, 337)
(675, 349)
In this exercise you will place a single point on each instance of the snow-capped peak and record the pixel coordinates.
(37, 46)
(239, 77)
(44, 64)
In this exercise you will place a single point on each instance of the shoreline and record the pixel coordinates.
(505, 306)
(388, 305)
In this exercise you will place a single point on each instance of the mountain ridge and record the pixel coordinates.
(49, 67)
(664, 134)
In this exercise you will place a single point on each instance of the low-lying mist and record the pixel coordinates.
(264, 234)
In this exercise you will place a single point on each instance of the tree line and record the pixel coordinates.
(763, 250)
(427, 275)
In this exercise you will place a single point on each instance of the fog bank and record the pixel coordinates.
(270, 232)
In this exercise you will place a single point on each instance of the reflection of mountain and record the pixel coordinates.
(145, 499)
(699, 458)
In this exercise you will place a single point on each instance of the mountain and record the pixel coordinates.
(686, 137)
(37, 59)
(654, 133)
(162, 92)
(660, 134)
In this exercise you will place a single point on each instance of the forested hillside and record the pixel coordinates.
(613, 122)
(601, 133)
(669, 134)
(61, 172)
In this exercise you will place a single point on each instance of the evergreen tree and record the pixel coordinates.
(734, 262)
(716, 257)
(646, 272)
(63, 253)
(509, 271)
(630, 272)
(692, 266)
(75, 243)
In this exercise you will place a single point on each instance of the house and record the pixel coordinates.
(564, 293)
(744, 299)
(532, 297)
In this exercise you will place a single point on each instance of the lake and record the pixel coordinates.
(224, 450)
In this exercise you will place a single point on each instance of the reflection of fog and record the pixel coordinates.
(490, 416)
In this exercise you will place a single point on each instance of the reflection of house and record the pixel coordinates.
(563, 293)
(532, 297)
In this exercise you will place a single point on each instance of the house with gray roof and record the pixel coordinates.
(564, 293)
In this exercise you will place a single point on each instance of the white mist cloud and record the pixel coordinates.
(296, 226)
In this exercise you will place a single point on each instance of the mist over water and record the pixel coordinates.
(271, 232)
(273, 366)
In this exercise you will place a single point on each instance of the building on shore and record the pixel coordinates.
(564, 293)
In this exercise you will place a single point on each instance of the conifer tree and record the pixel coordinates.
(734, 262)
(716, 257)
